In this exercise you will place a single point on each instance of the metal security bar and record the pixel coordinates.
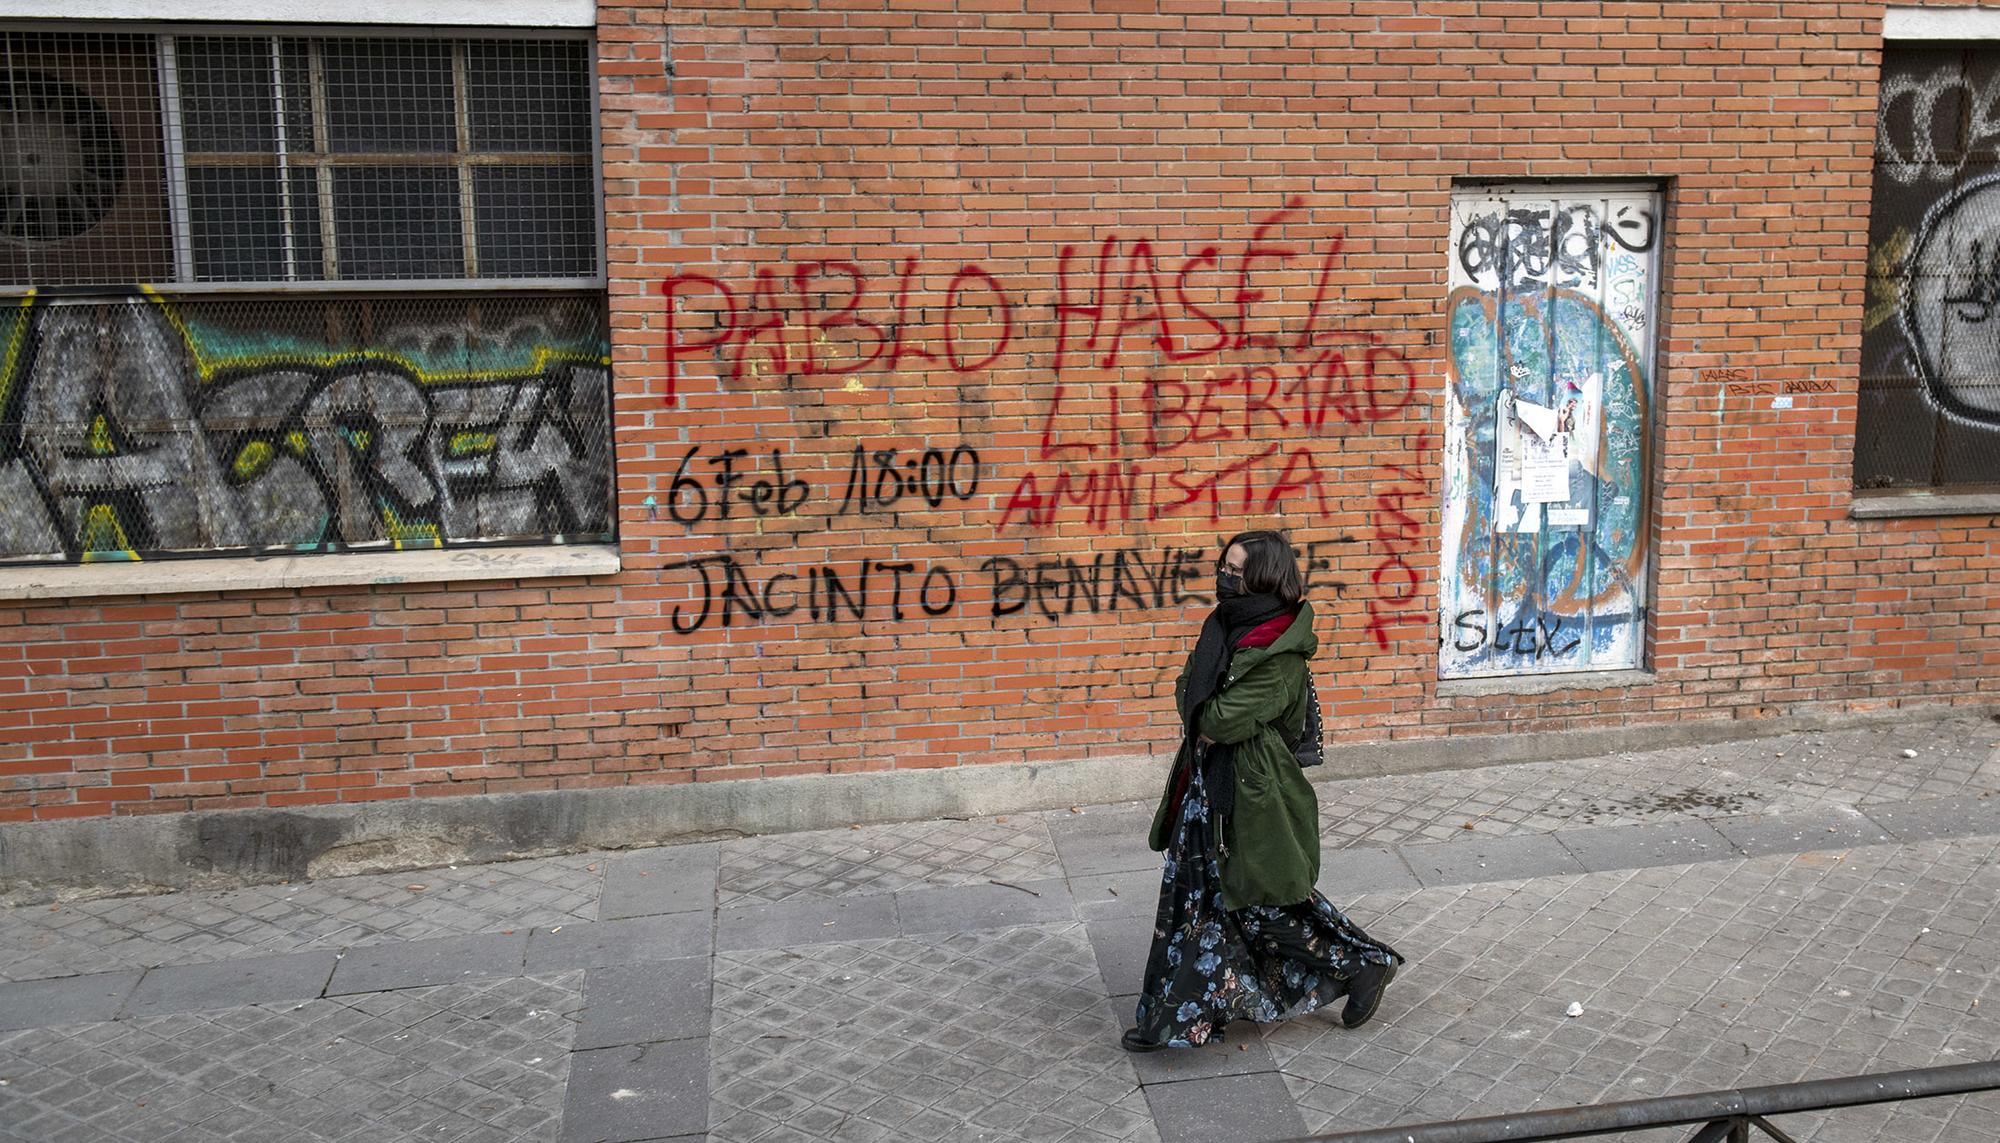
(191, 158)
(1722, 1115)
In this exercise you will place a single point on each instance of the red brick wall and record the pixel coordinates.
(940, 157)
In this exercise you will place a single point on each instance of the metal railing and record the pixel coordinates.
(1723, 1115)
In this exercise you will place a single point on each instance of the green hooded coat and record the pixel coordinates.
(1270, 844)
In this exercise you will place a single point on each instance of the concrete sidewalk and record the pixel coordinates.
(1754, 912)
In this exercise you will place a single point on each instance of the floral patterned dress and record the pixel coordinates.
(1211, 965)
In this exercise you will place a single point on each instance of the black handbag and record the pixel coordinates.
(1310, 749)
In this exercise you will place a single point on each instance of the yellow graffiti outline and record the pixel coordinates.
(407, 536)
(97, 519)
(472, 442)
(1885, 279)
(252, 459)
(14, 340)
(99, 441)
(206, 368)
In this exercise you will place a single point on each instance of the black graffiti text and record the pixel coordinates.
(1563, 245)
(879, 479)
(1059, 587)
(1533, 636)
(829, 593)
(728, 592)
(730, 481)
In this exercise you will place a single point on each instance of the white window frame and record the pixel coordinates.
(441, 13)
(1941, 24)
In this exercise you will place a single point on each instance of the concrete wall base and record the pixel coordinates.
(42, 861)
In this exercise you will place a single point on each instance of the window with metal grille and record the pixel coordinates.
(1929, 405)
(191, 159)
(374, 314)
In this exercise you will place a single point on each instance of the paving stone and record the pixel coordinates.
(1836, 827)
(636, 1092)
(1490, 859)
(669, 879)
(983, 906)
(807, 921)
(1964, 815)
(70, 1000)
(1346, 873)
(1108, 842)
(939, 1035)
(1816, 955)
(1249, 1108)
(1121, 946)
(643, 1003)
(1781, 774)
(883, 859)
(381, 967)
(626, 941)
(1663, 985)
(1656, 843)
(74, 937)
(1117, 894)
(230, 984)
(483, 1060)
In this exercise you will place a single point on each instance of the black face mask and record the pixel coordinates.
(1228, 585)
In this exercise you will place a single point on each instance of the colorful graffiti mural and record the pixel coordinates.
(1546, 443)
(140, 427)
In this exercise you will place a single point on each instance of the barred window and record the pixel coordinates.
(196, 159)
(1928, 415)
(323, 359)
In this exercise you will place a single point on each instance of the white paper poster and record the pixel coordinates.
(1544, 454)
(1541, 421)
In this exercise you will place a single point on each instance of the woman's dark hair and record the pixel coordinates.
(1270, 566)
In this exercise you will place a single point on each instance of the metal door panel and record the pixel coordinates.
(1546, 443)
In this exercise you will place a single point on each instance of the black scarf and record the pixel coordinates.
(1231, 620)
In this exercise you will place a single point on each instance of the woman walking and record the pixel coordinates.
(1241, 932)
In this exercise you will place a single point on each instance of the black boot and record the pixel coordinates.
(1364, 993)
(1132, 1041)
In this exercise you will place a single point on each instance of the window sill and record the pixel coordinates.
(1542, 684)
(1888, 505)
(347, 569)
